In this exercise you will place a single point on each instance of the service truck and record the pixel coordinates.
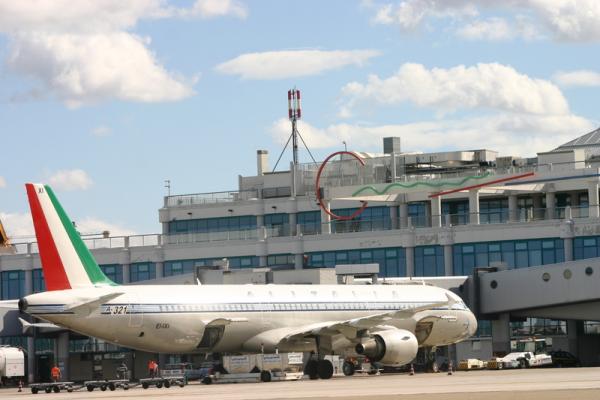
(12, 365)
(529, 352)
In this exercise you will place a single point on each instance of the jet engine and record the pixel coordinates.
(390, 347)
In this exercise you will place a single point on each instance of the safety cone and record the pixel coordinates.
(450, 367)
(412, 369)
(20, 386)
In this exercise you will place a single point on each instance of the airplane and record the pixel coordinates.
(387, 323)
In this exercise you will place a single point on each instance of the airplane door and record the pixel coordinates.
(135, 311)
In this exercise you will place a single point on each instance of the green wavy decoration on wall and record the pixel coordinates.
(415, 184)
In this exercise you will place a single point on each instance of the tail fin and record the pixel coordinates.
(66, 261)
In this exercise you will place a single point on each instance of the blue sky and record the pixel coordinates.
(105, 99)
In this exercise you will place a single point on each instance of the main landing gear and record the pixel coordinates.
(318, 367)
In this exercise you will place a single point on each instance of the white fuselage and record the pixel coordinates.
(172, 319)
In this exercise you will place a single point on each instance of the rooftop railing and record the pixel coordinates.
(497, 216)
(184, 200)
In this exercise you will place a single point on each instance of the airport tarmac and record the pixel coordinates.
(531, 384)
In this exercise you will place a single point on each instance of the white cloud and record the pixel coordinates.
(83, 52)
(292, 63)
(2, 182)
(217, 8)
(577, 78)
(491, 86)
(18, 226)
(489, 29)
(568, 20)
(81, 69)
(72, 179)
(92, 225)
(102, 131)
(508, 133)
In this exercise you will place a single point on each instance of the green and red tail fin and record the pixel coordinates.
(66, 261)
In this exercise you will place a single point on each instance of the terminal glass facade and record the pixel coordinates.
(208, 225)
(13, 284)
(114, 272)
(310, 222)
(142, 271)
(429, 261)
(392, 261)
(586, 247)
(515, 253)
(39, 285)
(371, 219)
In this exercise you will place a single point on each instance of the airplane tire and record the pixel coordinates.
(265, 376)
(207, 380)
(311, 369)
(325, 369)
(125, 387)
(145, 385)
(348, 368)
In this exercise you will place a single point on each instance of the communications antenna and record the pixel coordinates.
(294, 114)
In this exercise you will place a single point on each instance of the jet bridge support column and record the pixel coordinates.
(30, 359)
(501, 335)
(62, 354)
(403, 215)
(436, 212)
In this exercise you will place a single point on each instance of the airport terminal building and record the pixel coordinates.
(521, 236)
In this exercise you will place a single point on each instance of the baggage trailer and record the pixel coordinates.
(258, 368)
(107, 384)
(50, 387)
(159, 382)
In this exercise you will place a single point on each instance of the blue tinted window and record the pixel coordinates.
(429, 261)
(13, 284)
(114, 272)
(392, 262)
(39, 285)
(142, 271)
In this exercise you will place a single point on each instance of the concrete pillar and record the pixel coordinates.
(160, 269)
(262, 261)
(292, 222)
(474, 207)
(62, 354)
(436, 211)
(567, 233)
(326, 219)
(298, 261)
(403, 215)
(125, 268)
(410, 261)
(550, 205)
(593, 199)
(513, 208)
(260, 220)
(30, 359)
(394, 216)
(501, 335)
(448, 260)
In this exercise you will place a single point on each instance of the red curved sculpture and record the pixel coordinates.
(318, 192)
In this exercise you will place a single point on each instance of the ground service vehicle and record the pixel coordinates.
(12, 364)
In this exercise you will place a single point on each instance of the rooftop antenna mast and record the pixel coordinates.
(294, 114)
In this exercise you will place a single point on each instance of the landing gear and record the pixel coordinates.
(324, 369)
(318, 367)
(348, 368)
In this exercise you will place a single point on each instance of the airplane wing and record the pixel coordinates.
(348, 328)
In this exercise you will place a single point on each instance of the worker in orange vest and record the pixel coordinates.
(55, 373)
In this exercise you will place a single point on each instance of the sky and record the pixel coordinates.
(106, 99)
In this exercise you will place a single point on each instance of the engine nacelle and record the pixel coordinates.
(390, 347)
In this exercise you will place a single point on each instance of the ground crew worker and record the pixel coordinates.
(55, 373)
(151, 368)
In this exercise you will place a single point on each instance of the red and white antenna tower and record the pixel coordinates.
(294, 113)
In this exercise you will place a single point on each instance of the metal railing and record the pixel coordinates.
(186, 200)
(498, 216)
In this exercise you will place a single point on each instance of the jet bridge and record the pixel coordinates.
(568, 290)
